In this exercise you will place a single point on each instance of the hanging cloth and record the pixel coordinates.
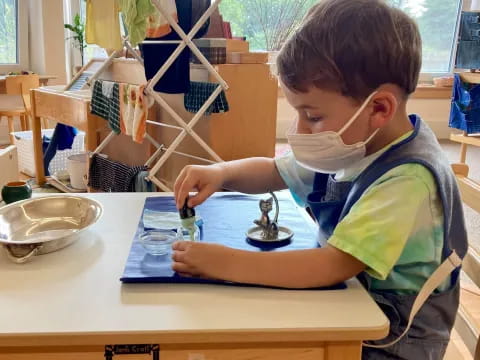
(142, 19)
(198, 95)
(133, 111)
(62, 139)
(157, 24)
(106, 103)
(112, 176)
(124, 106)
(102, 26)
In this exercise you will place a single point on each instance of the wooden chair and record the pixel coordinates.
(467, 324)
(21, 85)
(465, 342)
(27, 103)
(10, 107)
(12, 104)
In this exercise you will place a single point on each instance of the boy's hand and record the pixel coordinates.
(201, 259)
(204, 179)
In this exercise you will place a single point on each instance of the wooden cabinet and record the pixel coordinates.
(249, 128)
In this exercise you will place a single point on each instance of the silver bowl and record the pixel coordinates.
(43, 225)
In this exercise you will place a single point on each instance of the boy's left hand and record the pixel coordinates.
(201, 259)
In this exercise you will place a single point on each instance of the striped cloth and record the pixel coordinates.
(199, 94)
(107, 105)
(112, 176)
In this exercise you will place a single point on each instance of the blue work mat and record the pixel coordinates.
(226, 219)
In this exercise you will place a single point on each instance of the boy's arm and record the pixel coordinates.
(252, 176)
(290, 269)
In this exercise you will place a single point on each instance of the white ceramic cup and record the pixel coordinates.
(77, 169)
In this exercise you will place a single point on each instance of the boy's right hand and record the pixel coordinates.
(203, 179)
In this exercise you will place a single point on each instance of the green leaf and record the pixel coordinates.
(76, 20)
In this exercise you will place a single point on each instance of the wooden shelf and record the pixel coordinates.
(432, 92)
(465, 139)
(422, 92)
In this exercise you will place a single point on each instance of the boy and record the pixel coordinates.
(374, 178)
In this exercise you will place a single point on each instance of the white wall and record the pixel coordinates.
(54, 39)
(434, 111)
(36, 38)
(47, 39)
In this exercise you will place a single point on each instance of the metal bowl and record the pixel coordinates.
(43, 225)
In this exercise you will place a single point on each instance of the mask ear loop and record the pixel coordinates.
(371, 136)
(355, 116)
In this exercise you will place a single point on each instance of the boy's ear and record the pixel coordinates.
(385, 105)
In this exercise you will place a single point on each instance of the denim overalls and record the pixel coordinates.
(331, 201)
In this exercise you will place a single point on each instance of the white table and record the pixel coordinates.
(70, 304)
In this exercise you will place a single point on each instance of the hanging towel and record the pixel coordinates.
(62, 139)
(138, 15)
(199, 7)
(143, 185)
(107, 89)
(104, 106)
(199, 94)
(157, 24)
(177, 78)
(102, 26)
(133, 111)
(112, 176)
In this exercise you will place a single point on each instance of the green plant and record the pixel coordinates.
(78, 29)
(266, 23)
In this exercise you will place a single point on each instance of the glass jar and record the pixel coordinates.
(189, 232)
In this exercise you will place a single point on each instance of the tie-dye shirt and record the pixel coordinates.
(395, 228)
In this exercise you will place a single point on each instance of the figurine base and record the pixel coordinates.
(255, 234)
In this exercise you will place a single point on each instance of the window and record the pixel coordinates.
(267, 23)
(8, 32)
(13, 36)
(437, 20)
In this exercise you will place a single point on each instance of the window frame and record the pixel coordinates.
(427, 77)
(23, 60)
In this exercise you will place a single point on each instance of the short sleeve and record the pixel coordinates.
(298, 179)
(378, 226)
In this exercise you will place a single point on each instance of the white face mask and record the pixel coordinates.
(325, 152)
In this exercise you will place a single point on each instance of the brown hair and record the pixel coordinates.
(352, 46)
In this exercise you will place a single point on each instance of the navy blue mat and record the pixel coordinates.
(226, 218)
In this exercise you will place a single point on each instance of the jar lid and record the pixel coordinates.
(186, 212)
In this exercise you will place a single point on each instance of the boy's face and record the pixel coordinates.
(323, 110)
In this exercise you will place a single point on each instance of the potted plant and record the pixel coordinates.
(78, 30)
